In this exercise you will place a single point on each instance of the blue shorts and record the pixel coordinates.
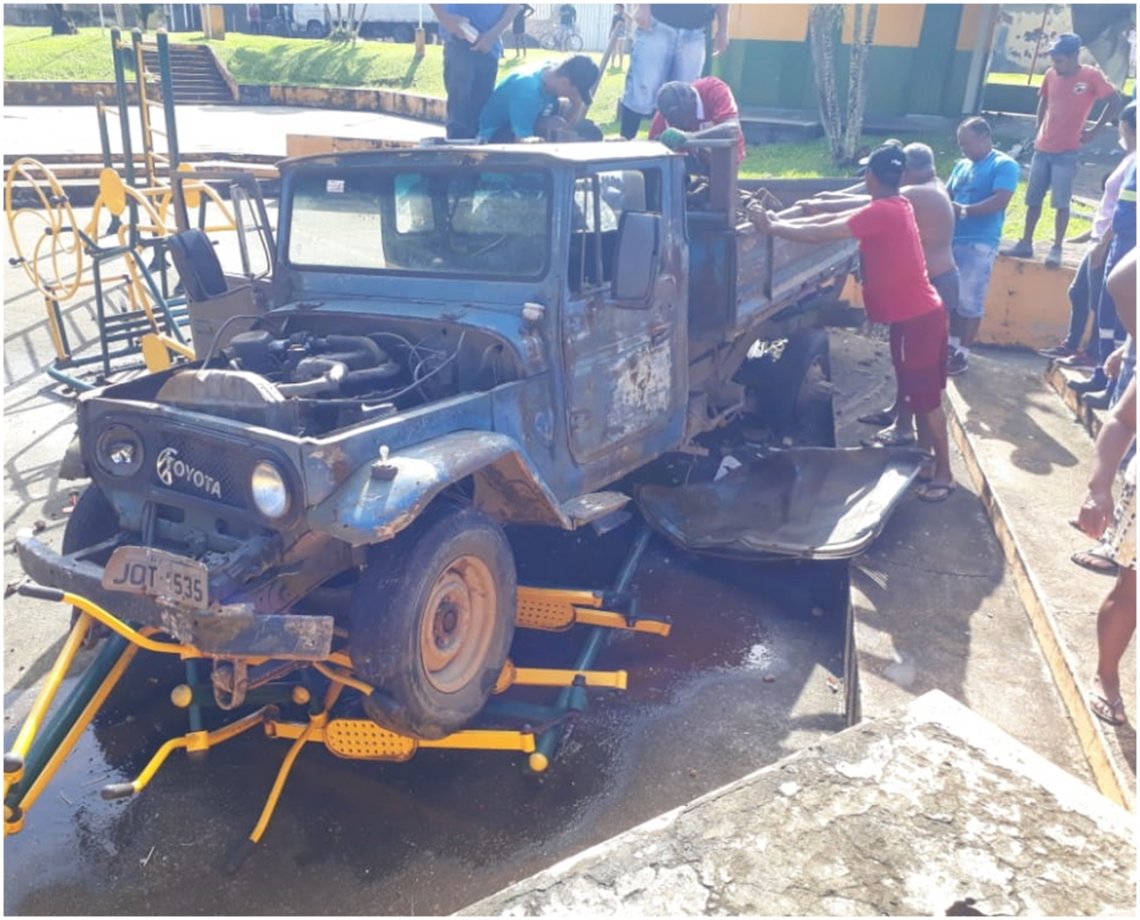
(661, 54)
(1056, 171)
(975, 262)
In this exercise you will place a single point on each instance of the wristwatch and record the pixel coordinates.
(962, 211)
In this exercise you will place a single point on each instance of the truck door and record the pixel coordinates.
(625, 366)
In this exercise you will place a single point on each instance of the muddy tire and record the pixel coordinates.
(788, 391)
(432, 620)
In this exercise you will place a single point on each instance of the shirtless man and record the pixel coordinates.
(934, 214)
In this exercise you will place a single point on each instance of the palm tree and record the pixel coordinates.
(825, 25)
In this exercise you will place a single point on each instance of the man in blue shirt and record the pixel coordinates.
(470, 58)
(527, 103)
(980, 188)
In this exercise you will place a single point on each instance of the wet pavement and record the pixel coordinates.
(749, 675)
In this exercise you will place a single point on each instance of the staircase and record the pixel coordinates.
(195, 74)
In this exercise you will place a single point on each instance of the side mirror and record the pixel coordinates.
(635, 255)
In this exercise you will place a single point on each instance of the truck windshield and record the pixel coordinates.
(471, 223)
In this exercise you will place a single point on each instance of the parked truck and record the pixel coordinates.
(446, 340)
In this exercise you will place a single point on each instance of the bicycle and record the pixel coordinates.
(562, 38)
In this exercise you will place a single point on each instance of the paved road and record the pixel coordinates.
(43, 130)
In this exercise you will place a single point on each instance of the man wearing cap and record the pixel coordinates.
(896, 290)
(1068, 93)
(527, 103)
(704, 109)
(934, 216)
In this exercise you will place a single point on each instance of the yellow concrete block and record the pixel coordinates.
(1027, 304)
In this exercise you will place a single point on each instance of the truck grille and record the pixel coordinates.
(201, 467)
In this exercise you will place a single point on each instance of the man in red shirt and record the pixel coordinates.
(704, 109)
(896, 290)
(1067, 96)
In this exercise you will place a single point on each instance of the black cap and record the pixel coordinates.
(583, 73)
(677, 103)
(1066, 43)
(886, 163)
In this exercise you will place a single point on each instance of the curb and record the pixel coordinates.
(1102, 757)
(1058, 378)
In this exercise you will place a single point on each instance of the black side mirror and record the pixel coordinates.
(635, 255)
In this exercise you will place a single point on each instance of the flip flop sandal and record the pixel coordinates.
(892, 439)
(1094, 561)
(1111, 712)
(880, 418)
(932, 492)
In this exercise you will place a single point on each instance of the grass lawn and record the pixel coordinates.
(35, 54)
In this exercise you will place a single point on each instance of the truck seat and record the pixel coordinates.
(197, 265)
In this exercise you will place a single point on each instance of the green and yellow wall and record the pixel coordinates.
(924, 59)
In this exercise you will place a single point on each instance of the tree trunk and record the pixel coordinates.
(822, 27)
(861, 38)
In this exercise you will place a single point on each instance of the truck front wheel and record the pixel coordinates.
(432, 621)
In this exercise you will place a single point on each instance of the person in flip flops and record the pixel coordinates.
(934, 215)
(896, 290)
(1116, 619)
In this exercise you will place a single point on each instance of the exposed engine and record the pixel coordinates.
(311, 382)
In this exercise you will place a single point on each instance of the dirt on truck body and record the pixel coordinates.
(445, 340)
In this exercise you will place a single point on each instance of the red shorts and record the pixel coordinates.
(918, 352)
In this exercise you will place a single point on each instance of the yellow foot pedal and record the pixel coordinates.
(363, 739)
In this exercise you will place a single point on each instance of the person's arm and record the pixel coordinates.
(1112, 444)
(720, 41)
(818, 229)
(486, 40)
(1005, 180)
(1119, 431)
(1110, 111)
(1042, 105)
(833, 205)
(1099, 252)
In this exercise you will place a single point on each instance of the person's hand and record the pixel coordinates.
(1112, 363)
(674, 138)
(720, 44)
(1095, 514)
(1087, 135)
(484, 43)
(759, 216)
(643, 17)
(1098, 254)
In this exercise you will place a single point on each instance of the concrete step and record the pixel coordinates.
(930, 811)
(1030, 459)
(1059, 378)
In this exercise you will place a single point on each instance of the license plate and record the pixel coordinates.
(142, 570)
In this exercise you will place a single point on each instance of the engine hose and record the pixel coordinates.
(332, 374)
(356, 352)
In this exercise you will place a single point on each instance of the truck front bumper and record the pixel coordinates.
(217, 630)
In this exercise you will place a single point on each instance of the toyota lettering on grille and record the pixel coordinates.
(171, 467)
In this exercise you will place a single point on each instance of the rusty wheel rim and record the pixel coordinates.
(458, 624)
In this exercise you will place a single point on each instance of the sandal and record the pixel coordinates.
(1111, 712)
(889, 437)
(880, 418)
(937, 491)
(1095, 561)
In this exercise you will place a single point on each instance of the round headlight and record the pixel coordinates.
(119, 451)
(270, 494)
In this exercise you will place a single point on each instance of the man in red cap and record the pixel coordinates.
(896, 290)
(1067, 96)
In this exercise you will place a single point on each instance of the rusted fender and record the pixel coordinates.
(382, 498)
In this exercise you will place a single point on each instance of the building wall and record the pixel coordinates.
(919, 63)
